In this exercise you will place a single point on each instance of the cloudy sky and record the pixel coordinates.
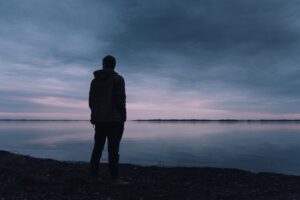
(180, 59)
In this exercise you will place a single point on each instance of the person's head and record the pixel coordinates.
(109, 62)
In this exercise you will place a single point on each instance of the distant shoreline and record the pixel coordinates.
(167, 120)
(45, 120)
(218, 120)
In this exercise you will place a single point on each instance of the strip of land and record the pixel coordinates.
(24, 177)
(220, 120)
(44, 120)
(170, 120)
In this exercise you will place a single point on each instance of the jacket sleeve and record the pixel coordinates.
(121, 98)
(92, 101)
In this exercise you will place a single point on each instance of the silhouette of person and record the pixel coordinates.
(107, 101)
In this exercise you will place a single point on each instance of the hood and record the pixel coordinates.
(104, 74)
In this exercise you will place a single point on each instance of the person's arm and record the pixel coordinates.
(121, 98)
(92, 101)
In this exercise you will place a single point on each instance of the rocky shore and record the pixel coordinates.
(24, 177)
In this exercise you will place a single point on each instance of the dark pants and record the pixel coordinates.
(113, 131)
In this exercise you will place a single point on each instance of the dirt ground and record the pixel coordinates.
(24, 177)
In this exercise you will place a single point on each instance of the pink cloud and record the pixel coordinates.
(59, 102)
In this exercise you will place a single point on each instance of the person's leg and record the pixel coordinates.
(99, 138)
(114, 139)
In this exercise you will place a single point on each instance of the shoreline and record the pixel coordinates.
(25, 177)
(161, 120)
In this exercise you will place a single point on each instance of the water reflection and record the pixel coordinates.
(253, 146)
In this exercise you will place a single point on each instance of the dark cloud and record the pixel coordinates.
(67, 31)
(215, 46)
(247, 50)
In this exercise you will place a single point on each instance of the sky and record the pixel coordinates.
(203, 59)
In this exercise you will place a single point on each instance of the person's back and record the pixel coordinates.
(107, 101)
(107, 97)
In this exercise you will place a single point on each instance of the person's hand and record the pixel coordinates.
(92, 122)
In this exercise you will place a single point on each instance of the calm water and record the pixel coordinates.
(273, 147)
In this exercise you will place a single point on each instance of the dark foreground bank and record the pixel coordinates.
(24, 177)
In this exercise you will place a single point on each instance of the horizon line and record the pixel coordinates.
(8, 119)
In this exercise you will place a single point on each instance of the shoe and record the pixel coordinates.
(93, 171)
(96, 179)
(119, 182)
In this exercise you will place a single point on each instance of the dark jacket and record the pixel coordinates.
(107, 98)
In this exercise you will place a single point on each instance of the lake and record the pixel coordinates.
(258, 147)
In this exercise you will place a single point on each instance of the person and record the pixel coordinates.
(107, 101)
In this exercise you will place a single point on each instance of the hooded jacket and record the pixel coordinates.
(107, 98)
